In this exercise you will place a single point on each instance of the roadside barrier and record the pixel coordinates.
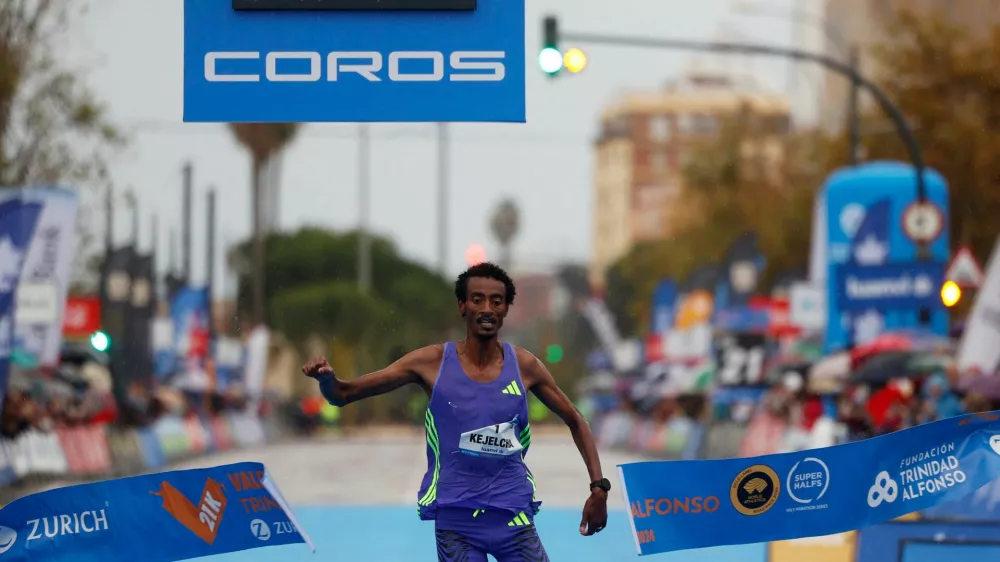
(36, 458)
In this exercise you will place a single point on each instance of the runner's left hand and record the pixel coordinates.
(595, 513)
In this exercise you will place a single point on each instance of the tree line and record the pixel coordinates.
(944, 80)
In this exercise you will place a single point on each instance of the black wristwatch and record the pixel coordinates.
(603, 484)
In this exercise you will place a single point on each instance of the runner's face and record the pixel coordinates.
(485, 307)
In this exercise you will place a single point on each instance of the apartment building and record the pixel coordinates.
(641, 152)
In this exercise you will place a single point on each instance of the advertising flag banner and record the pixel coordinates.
(160, 517)
(682, 505)
(44, 280)
(17, 229)
(979, 348)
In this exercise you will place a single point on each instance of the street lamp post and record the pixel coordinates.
(892, 110)
(846, 69)
(443, 196)
(847, 50)
(364, 211)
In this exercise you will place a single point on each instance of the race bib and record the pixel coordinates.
(497, 441)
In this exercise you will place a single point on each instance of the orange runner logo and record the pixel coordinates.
(203, 519)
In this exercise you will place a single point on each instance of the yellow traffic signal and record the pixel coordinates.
(951, 293)
(574, 60)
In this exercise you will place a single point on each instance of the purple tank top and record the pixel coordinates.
(477, 437)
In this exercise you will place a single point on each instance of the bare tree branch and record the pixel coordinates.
(52, 130)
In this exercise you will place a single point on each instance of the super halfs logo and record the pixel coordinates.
(202, 519)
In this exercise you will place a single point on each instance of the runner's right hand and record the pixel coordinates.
(317, 367)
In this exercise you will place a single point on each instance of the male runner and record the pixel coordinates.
(477, 488)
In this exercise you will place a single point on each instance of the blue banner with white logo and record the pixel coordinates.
(682, 504)
(354, 66)
(17, 229)
(742, 319)
(869, 248)
(189, 312)
(981, 506)
(154, 518)
(664, 300)
(860, 223)
(890, 286)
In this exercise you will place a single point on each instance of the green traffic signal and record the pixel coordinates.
(554, 353)
(550, 59)
(100, 341)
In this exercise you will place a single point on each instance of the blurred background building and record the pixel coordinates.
(641, 153)
(863, 24)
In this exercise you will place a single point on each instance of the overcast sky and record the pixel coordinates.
(131, 52)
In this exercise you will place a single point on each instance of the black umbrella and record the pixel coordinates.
(898, 365)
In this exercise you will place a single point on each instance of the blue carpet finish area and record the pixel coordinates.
(394, 534)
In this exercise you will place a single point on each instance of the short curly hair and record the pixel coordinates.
(488, 270)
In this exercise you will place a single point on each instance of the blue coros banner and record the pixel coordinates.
(354, 66)
(154, 518)
(695, 504)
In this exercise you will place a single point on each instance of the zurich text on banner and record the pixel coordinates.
(160, 517)
(678, 505)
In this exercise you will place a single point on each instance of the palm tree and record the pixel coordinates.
(262, 141)
(505, 223)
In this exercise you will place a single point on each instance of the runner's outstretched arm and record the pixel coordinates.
(538, 379)
(411, 368)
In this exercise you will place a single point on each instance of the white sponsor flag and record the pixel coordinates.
(819, 243)
(980, 345)
(44, 281)
(255, 369)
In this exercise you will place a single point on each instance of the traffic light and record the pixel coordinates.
(951, 293)
(574, 60)
(554, 353)
(550, 59)
(100, 341)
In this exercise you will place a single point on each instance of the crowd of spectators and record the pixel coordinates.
(44, 401)
(866, 411)
(792, 414)
(44, 404)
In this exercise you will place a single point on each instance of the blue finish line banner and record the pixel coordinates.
(681, 505)
(153, 518)
(333, 66)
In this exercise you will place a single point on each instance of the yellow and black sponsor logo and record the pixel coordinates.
(755, 490)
